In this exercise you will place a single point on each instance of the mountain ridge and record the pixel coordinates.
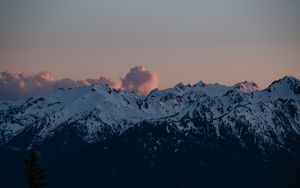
(93, 109)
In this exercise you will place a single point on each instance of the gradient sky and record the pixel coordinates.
(222, 41)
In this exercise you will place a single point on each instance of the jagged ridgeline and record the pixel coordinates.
(202, 135)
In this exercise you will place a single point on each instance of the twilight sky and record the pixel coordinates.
(222, 41)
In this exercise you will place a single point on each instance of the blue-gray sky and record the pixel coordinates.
(223, 41)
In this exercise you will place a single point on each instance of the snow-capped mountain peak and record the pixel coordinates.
(199, 84)
(247, 87)
(287, 83)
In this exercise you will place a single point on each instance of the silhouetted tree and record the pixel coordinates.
(34, 174)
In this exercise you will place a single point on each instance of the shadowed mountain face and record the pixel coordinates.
(205, 135)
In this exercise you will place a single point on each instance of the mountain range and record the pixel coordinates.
(201, 135)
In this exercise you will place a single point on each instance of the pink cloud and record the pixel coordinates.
(103, 80)
(20, 85)
(66, 83)
(69, 83)
(140, 80)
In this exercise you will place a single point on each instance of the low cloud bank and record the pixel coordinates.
(21, 85)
